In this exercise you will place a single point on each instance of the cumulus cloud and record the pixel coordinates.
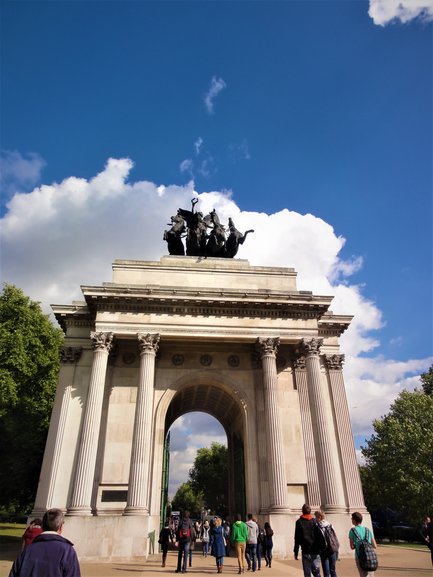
(63, 235)
(188, 434)
(19, 172)
(387, 11)
(216, 85)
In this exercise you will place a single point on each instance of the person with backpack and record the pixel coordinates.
(311, 541)
(328, 555)
(363, 542)
(183, 541)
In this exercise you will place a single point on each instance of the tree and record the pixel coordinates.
(187, 499)
(29, 365)
(427, 381)
(399, 458)
(209, 476)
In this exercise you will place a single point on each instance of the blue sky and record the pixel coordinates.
(276, 110)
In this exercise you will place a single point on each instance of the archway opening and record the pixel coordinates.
(199, 415)
(199, 464)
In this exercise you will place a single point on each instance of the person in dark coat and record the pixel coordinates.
(218, 543)
(50, 553)
(183, 540)
(310, 539)
(165, 537)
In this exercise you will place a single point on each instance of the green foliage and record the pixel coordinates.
(427, 381)
(209, 476)
(29, 365)
(187, 499)
(399, 458)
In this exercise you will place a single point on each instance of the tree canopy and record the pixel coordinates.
(29, 365)
(186, 499)
(427, 381)
(398, 473)
(209, 475)
(207, 484)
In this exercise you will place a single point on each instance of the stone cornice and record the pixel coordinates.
(209, 302)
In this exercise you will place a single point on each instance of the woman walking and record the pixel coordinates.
(165, 536)
(268, 544)
(218, 543)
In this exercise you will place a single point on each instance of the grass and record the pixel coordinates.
(11, 532)
(403, 545)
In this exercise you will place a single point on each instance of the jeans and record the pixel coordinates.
(205, 548)
(182, 557)
(259, 555)
(311, 565)
(328, 565)
(251, 555)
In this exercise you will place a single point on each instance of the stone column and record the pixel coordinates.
(352, 479)
(139, 472)
(267, 348)
(332, 499)
(69, 356)
(313, 486)
(88, 445)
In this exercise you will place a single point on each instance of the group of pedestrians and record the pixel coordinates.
(319, 544)
(251, 542)
(46, 552)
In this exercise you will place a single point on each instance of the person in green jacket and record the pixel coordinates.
(239, 535)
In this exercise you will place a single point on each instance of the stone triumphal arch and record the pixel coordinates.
(239, 342)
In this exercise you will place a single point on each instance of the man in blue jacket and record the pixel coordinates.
(50, 553)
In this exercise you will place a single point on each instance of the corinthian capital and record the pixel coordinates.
(334, 362)
(148, 342)
(101, 341)
(267, 346)
(310, 347)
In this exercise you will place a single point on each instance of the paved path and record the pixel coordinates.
(394, 562)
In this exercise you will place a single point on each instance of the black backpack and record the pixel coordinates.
(367, 555)
(332, 543)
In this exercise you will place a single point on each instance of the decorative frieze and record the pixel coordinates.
(70, 354)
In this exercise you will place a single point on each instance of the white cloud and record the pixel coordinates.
(386, 11)
(19, 172)
(188, 434)
(197, 145)
(67, 234)
(216, 85)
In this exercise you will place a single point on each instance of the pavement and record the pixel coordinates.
(393, 562)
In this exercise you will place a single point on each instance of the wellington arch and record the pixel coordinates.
(183, 334)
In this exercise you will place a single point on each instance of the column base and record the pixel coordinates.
(79, 511)
(334, 509)
(136, 511)
(279, 510)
